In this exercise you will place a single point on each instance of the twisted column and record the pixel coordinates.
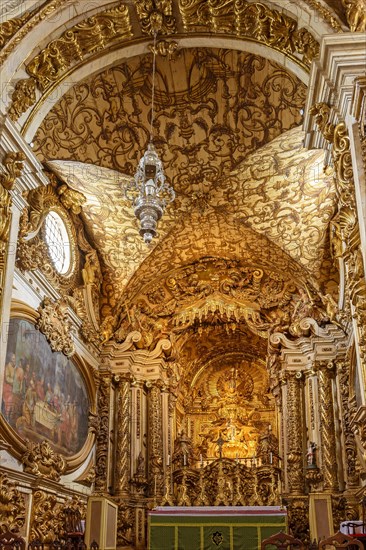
(122, 455)
(327, 426)
(102, 438)
(295, 472)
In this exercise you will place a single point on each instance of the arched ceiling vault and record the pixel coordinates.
(249, 229)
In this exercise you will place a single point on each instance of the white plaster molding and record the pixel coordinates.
(342, 58)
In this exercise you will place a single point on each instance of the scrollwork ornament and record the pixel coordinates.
(12, 507)
(356, 14)
(10, 27)
(87, 37)
(156, 16)
(254, 20)
(23, 97)
(55, 324)
(47, 520)
(41, 460)
(103, 383)
(13, 166)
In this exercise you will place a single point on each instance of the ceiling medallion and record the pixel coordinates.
(148, 191)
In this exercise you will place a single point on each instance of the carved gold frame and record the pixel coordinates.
(71, 232)
(20, 310)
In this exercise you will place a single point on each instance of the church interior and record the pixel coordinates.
(182, 269)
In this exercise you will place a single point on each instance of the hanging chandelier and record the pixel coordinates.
(148, 192)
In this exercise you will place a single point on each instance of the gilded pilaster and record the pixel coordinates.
(327, 425)
(295, 473)
(348, 409)
(102, 437)
(122, 431)
(155, 439)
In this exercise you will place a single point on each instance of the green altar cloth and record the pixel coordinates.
(214, 528)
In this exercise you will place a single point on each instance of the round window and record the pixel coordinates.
(58, 242)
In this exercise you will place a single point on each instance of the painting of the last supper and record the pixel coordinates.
(44, 395)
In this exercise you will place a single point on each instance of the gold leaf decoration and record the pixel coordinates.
(10, 27)
(41, 460)
(87, 37)
(55, 324)
(253, 20)
(12, 507)
(356, 14)
(156, 15)
(23, 97)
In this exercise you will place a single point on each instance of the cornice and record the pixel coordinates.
(341, 61)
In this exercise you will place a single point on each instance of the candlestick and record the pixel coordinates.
(184, 459)
(201, 459)
(168, 464)
(270, 458)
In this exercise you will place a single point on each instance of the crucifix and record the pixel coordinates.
(220, 442)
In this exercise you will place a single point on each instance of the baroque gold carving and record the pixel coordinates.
(70, 199)
(356, 14)
(123, 404)
(55, 324)
(23, 97)
(13, 165)
(156, 16)
(73, 45)
(325, 14)
(156, 478)
(294, 434)
(253, 20)
(349, 408)
(37, 16)
(10, 27)
(12, 507)
(165, 48)
(40, 460)
(329, 458)
(102, 438)
(215, 130)
(47, 521)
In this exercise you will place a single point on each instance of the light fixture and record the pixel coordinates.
(149, 192)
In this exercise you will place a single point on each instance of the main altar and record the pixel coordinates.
(213, 527)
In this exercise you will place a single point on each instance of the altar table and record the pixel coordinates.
(214, 527)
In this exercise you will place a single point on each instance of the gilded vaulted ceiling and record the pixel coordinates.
(212, 108)
(252, 212)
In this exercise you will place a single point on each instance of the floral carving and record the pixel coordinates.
(23, 97)
(11, 26)
(40, 460)
(156, 16)
(55, 324)
(73, 45)
(47, 519)
(13, 164)
(12, 508)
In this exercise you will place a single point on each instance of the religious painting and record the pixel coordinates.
(44, 395)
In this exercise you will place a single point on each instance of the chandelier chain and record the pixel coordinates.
(153, 89)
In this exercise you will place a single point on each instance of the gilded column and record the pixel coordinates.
(103, 382)
(327, 425)
(155, 439)
(295, 472)
(122, 431)
(348, 410)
